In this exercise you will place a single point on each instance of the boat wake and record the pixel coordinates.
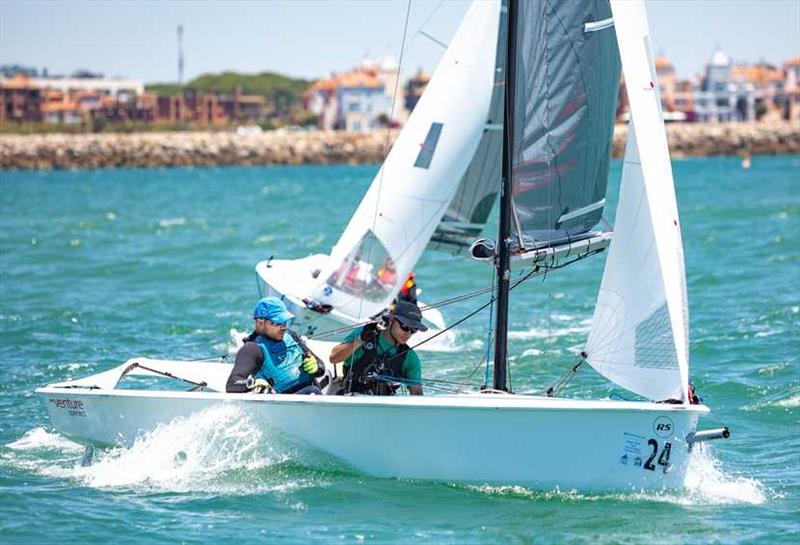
(706, 484)
(216, 450)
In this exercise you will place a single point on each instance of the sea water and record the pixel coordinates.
(99, 266)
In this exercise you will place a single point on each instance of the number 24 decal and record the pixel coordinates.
(663, 459)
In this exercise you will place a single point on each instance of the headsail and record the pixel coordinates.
(565, 99)
(408, 197)
(640, 331)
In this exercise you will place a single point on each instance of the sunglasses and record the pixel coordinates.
(407, 329)
(270, 322)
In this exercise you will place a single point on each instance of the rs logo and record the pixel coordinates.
(663, 426)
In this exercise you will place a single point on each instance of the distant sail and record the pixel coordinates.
(565, 98)
(408, 197)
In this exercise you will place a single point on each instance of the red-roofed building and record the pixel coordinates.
(20, 100)
(359, 100)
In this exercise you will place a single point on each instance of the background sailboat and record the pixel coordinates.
(437, 184)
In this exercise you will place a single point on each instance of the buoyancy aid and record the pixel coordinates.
(282, 360)
(373, 361)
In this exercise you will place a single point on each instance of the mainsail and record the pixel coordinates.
(564, 96)
(411, 192)
(640, 331)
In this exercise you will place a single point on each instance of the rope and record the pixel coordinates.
(490, 332)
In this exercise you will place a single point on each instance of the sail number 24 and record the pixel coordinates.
(663, 458)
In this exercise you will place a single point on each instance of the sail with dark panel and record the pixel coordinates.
(565, 97)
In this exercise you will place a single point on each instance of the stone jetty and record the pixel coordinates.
(66, 151)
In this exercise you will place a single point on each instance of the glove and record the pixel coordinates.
(310, 365)
(258, 385)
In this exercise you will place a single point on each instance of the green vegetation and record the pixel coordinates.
(84, 127)
(283, 94)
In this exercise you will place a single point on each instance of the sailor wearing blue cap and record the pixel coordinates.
(274, 358)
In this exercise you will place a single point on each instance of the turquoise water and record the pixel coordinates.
(100, 266)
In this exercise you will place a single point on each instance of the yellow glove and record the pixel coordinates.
(310, 365)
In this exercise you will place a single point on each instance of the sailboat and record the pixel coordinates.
(435, 189)
(563, 64)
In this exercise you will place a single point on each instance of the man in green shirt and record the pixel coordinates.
(369, 351)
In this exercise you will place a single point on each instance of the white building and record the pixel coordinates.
(119, 88)
(720, 98)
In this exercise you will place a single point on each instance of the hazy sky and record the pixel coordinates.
(311, 38)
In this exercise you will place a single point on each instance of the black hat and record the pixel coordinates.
(408, 314)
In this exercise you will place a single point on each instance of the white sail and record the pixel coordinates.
(414, 186)
(640, 331)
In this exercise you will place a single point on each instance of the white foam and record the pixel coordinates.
(445, 342)
(216, 450)
(706, 483)
(545, 332)
(171, 222)
(181, 454)
(792, 402)
(40, 438)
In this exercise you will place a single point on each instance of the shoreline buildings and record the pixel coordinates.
(727, 92)
(370, 97)
(363, 99)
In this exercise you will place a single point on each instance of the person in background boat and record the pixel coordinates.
(369, 350)
(274, 358)
(387, 274)
(409, 290)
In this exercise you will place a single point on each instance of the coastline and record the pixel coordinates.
(155, 150)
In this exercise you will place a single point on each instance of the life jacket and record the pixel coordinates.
(373, 361)
(282, 360)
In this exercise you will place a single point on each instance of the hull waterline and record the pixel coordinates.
(494, 439)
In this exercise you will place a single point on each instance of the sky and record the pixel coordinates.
(137, 39)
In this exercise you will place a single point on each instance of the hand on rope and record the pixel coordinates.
(258, 385)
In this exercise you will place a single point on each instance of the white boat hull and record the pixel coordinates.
(496, 439)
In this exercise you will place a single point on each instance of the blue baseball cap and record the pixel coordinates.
(272, 309)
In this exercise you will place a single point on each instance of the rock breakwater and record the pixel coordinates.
(62, 151)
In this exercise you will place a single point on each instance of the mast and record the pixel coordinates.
(504, 227)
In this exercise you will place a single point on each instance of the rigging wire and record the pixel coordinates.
(386, 146)
(537, 270)
(533, 273)
(490, 332)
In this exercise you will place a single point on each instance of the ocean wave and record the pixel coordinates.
(171, 222)
(39, 438)
(707, 483)
(545, 332)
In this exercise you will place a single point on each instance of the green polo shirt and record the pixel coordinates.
(412, 367)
